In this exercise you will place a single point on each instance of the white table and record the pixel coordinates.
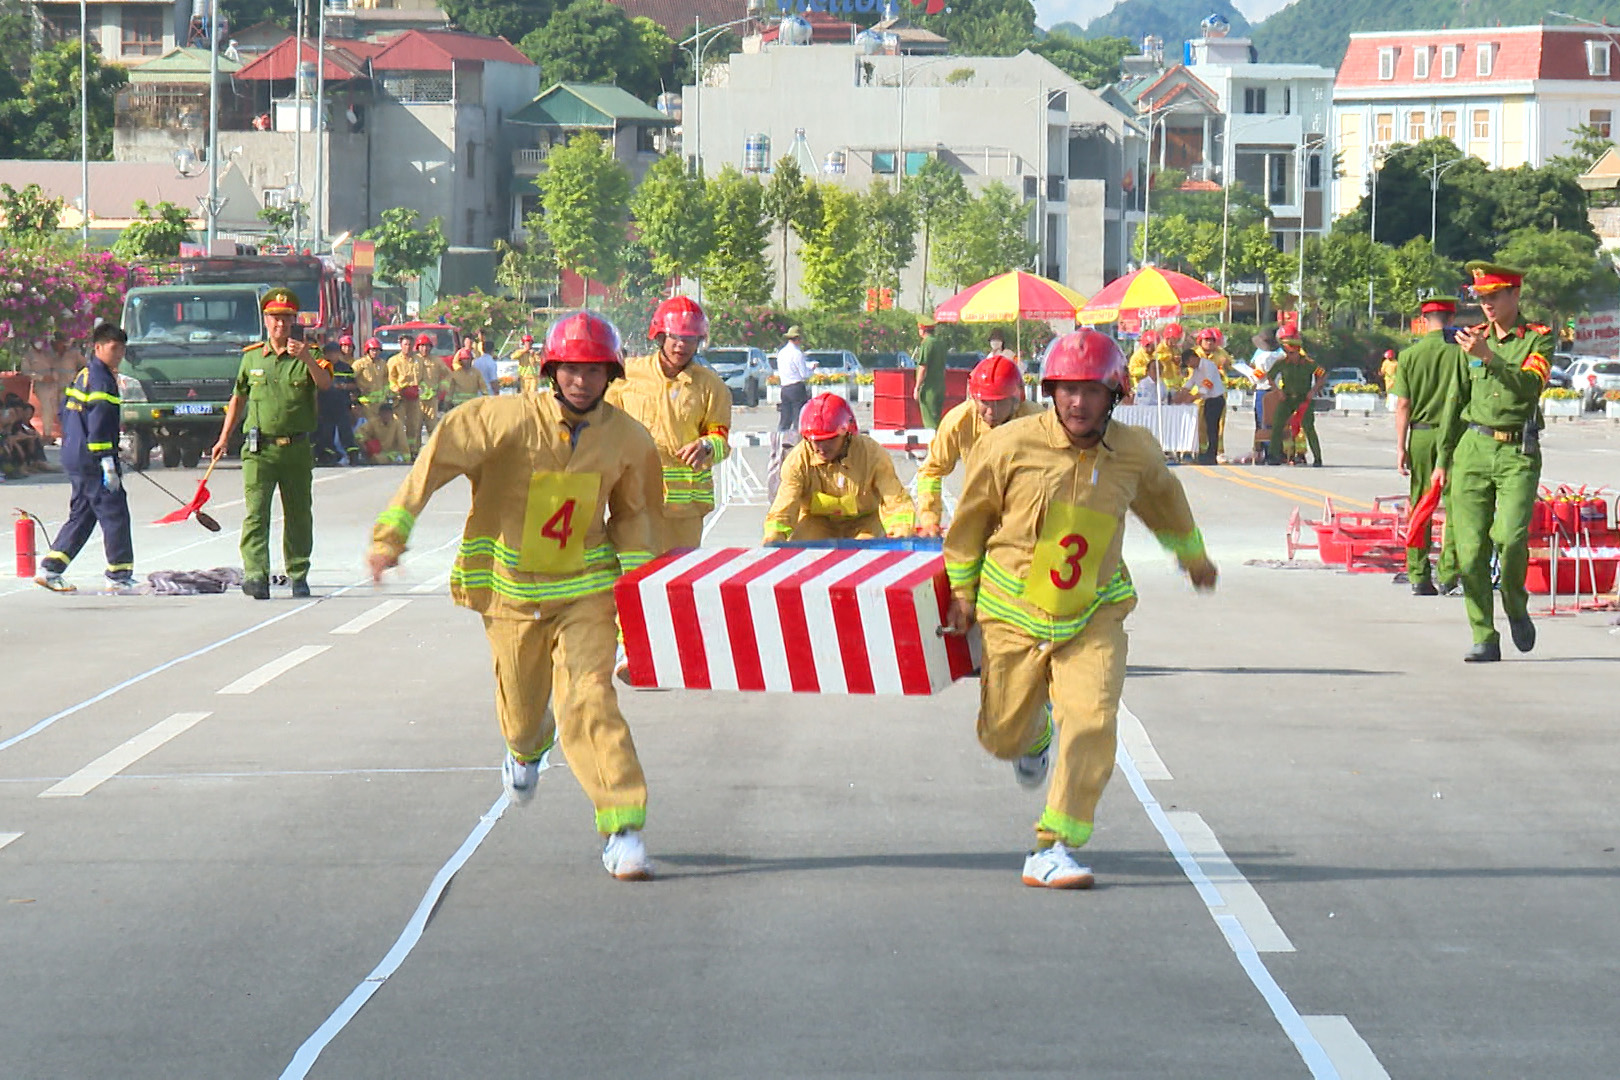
(1175, 426)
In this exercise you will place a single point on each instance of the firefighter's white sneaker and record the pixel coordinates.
(520, 778)
(55, 582)
(625, 856)
(1056, 868)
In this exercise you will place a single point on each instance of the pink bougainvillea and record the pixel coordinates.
(48, 291)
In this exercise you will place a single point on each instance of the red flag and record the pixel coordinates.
(1422, 514)
(196, 503)
(1297, 421)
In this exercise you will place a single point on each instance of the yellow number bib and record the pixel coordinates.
(833, 506)
(1063, 573)
(556, 518)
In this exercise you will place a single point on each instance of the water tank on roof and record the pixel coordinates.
(757, 154)
(1215, 25)
(835, 164)
(794, 30)
(869, 43)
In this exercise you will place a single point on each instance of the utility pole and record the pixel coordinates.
(318, 200)
(213, 207)
(298, 127)
(84, 123)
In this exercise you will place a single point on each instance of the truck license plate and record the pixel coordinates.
(193, 410)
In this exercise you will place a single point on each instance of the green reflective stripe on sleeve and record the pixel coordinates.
(399, 519)
(533, 592)
(619, 818)
(634, 560)
(929, 485)
(95, 446)
(959, 574)
(718, 446)
(98, 395)
(903, 517)
(1071, 831)
(75, 394)
(779, 528)
(1187, 546)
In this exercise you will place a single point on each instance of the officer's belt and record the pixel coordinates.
(1422, 427)
(1499, 436)
(283, 440)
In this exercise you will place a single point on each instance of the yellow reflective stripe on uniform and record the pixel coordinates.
(1187, 546)
(780, 528)
(929, 485)
(100, 395)
(619, 818)
(901, 517)
(718, 446)
(533, 592)
(473, 547)
(1001, 604)
(634, 560)
(1072, 831)
(399, 519)
(959, 574)
(93, 447)
(120, 566)
(75, 393)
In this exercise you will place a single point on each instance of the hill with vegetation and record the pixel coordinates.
(1173, 20)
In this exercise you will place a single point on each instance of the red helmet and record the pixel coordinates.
(424, 339)
(1289, 332)
(995, 378)
(1174, 332)
(1085, 356)
(583, 338)
(1213, 334)
(1148, 339)
(372, 343)
(681, 316)
(528, 339)
(346, 340)
(1389, 354)
(826, 416)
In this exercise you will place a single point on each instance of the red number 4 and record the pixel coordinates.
(1075, 547)
(560, 526)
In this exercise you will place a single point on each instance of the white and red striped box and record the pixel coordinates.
(800, 620)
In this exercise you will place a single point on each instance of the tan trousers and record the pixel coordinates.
(682, 532)
(567, 658)
(410, 414)
(50, 405)
(1082, 678)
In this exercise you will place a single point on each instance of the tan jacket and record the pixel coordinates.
(464, 384)
(859, 484)
(694, 405)
(958, 432)
(528, 362)
(371, 379)
(1026, 468)
(390, 435)
(558, 511)
(403, 372)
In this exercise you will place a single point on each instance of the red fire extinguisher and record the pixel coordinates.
(26, 552)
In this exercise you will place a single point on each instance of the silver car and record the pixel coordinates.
(1593, 376)
(742, 368)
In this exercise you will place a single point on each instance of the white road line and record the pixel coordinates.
(1311, 1052)
(304, 1059)
(432, 585)
(279, 666)
(118, 759)
(1135, 739)
(370, 618)
(1351, 1055)
(1242, 902)
(8, 837)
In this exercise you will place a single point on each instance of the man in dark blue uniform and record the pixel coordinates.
(90, 425)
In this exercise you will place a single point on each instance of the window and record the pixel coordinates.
(1597, 59)
(1288, 100)
(647, 140)
(1602, 119)
(1420, 62)
(1448, 125)
(1417, 126)
(1386, 63)
(1254, 99)
(1313, 171)
(1058, 101)
(472, 160)
(883, 161)
(472, 228)
(1484, 56)
(1384, 129)
(1482, 123)
(142, 31)
(1448, 62)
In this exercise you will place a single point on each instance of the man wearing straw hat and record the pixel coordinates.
(930, 388)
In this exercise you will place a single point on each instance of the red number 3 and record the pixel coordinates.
(1075, 547)
(560, 526)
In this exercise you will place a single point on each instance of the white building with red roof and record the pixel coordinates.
(1509, 96)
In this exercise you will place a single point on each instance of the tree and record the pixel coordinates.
(1415, 271)
(595, 41)
(988, 236)
(156, 232)
(30, 214)
(937, 195)
(985, 27)
(674, 218)
(787, 199)
(405, 249)
(888, 235)
(829, 251)
(1337, 269)
(530, 266)
(584, 194)
(1093, 61)
(281, 220)
(510, 19)
(41, 121)
(738, 273)
(1563, 274)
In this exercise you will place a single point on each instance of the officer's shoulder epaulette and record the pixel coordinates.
(1539, 328)
(253, 345)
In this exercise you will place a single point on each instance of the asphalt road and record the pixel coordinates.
(1331, 847)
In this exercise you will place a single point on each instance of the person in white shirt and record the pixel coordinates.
(1206, 387)
(1266, 353)
(793, 372)
(1149, 389)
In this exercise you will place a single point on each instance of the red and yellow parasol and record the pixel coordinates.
(1009, 297)
(1150, 295)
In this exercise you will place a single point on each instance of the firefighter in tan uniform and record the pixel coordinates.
(385, 442)
(565, 498)
(433, 376)
(463, 383)
(687, 408)
(371, 380)
(995, 395)
(1033, 555)
(528, 366)
(405, 384)
(837, 484)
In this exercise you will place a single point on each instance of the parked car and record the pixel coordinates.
(1593, 376)
(963, 361)
(839, 363)
(742, 368)
(1338, 375)
(1558, 371)
(446, 339)
(879, 361)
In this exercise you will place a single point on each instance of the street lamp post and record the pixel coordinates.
(84, 123)
(694, 45)
(318, 200)
(1375, 163)
(1306, 147)
(1436, 170)
(213, 206)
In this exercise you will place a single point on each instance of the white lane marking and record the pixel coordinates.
(119, 758)
(370, 618)
(1351, 1055)
(279, 666)
(304, 1059)
(432, 585)
(1242, 901)
(1135, 739)
(714, 519)
(8, 837)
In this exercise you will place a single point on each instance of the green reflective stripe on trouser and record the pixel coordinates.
(1423, 454)
(1071, 832)
(290, 468)
(95, 446)
(1492, 490)
(399, 519)
(929, 485)
(538, 754)
(619, 818)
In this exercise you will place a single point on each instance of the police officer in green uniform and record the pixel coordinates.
(277, 384)
(930, 390)
(1295, 379)
(1431, 374)
(1492, 454)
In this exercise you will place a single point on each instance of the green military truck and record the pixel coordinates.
(185, 347)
